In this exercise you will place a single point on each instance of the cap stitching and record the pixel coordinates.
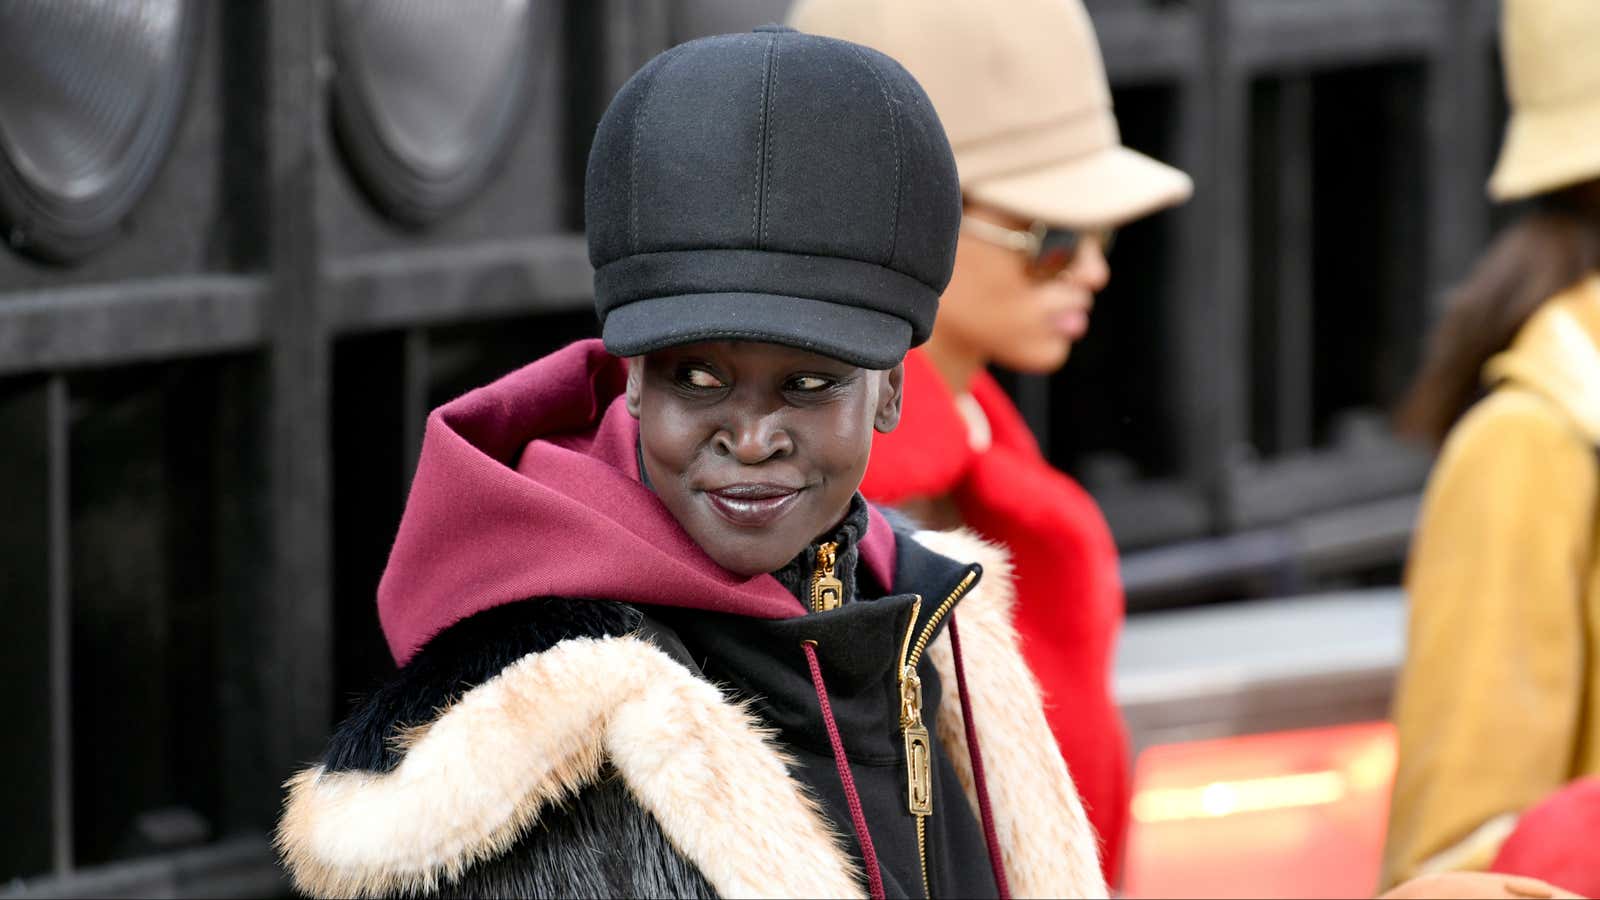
(810, 254)
(772, 87)
(894, 131)
(633, 152)
(761, 139)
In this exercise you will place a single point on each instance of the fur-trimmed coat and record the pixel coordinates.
(579, 755)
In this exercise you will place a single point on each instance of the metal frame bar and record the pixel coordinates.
(499, 278)
(1284, 556)
(28, 667)
(1300, 34)
(1459, 94)
(414, 400)
(56, 402)
(1143, 44)
(1293, 264)
(1230, 260)
(298, 642)
(120, 323)
(1142, 513)
(1193, 375)
(240, 867)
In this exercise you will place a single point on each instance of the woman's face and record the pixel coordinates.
(995, 311)
(756, 449)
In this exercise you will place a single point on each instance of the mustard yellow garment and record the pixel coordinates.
(1499, 700)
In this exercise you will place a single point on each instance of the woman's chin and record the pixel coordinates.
(1036, 358)
(747, 557)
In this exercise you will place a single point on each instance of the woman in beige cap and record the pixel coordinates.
(1022, 93)
(1499, 701)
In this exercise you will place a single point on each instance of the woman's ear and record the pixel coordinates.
(635, 381)
(890, 388)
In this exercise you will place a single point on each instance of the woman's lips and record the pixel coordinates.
(752, 505)
(1073, 323)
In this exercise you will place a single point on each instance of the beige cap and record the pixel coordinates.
(1021, 90)
(1551, 50)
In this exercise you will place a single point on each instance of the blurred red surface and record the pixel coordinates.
(1289, 814)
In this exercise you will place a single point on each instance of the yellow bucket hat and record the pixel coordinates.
(1021, 89)
(1551, 50)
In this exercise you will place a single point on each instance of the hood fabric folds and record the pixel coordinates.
(529, 487)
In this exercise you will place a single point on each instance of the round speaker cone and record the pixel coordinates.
(90, 97)
(427, 96)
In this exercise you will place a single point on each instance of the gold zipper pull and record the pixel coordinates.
(919, 761)
(827, 591)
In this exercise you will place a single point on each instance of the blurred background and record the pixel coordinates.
(250, 244)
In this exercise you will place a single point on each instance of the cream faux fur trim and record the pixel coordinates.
(1046, 843)
(481, 774)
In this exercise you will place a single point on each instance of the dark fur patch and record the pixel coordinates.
(601, 844)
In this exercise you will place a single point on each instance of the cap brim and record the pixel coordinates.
(1548, 149)
(861, 337)
(1109, 188)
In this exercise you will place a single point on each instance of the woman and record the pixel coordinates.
(1022, 92)
(1499, 701)
(652, 640)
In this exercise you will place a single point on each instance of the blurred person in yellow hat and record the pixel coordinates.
(1021, 89)
(1498, 704)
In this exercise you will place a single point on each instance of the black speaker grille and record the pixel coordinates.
(90, 96)
(428, 96)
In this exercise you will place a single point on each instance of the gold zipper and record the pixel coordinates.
(919, 760)
(827, 591)
(938, 615)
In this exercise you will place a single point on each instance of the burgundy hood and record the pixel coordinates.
(529, 487)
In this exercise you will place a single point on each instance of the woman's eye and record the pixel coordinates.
(808, 383)
(700, 378)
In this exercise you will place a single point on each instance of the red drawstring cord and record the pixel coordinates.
(857, 818)
(995, 861)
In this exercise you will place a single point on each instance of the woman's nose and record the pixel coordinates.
(1089, 267)
(754, 439)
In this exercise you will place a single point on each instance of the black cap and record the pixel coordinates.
(772, 186)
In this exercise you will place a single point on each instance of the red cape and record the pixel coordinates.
(1069, 591)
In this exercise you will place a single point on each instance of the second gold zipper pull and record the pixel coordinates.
(827, 591)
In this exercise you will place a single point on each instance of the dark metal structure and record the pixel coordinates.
(82, 144)
(211, 394)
